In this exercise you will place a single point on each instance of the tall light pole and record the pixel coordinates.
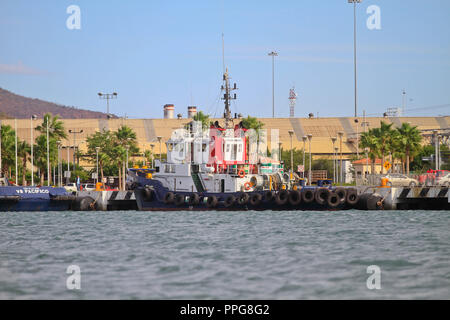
(341, 177)
(354, 50)
(74, 145)
(291, 133)
(273, 54)
(336, 161)
(48, 155)
(305, 138)
(333, 140)
(152, 146)
(107, 96)
(15, 143)
(357, 138)
(96, 151)
(33, 117)
(59, 163)
(68, 165)
(279, 150)
(436, 152)
(310, 157)
(160, 148)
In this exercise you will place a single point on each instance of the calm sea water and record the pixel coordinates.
(225, 255)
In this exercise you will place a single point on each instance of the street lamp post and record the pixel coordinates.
(333, 140)
(15, 139)
(436, 143)
(354, 49)
(273, 54)
(305, 138)
(68, 165)
(160, 148)
(107, 96)
(33, 117)
(357, 138)
(59, 163)
(310, 157)
(291, 133)
(152, 146)
(336, 161)
(341, 177)
(74, 145)
(48, 155)
(279, 151)
(96, 151)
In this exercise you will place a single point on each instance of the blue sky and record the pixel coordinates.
(158, 52)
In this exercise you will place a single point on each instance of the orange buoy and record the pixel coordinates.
(241, 173)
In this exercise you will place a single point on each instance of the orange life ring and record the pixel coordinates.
(241, 173)
(247, 186)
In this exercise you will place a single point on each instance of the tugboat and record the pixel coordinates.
(212, 170)
(17, 198)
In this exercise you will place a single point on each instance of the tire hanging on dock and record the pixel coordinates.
(212, 202)
(229, 201)
(243, 198)
(269, 196)
(282, 197)
(255, 199)
(308, 195)
(148, 194)
(295, 198)
(352, 197)
(84, 204)
(342, 193)
(180, 199)
(194, 199)
(333, 200)
(169, 197)
(321, 195)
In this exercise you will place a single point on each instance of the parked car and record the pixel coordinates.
(71, 187)
(88, 187)
(444, 180)
(401, 180)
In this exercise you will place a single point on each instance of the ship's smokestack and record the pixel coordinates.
(169, 111)
(192, 111)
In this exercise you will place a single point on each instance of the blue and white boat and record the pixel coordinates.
(17, 198)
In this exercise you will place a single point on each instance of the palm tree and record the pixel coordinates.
(8, 148)
(370, 141)
(125, 138)
(204, 119)
(252, 123)
(103, 140)
(23, 150)
(409, 140)
(56, 128)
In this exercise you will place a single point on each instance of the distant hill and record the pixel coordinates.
(15, 106)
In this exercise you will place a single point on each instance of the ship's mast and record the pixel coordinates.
(227, 97)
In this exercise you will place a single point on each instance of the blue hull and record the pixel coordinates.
(14, 198)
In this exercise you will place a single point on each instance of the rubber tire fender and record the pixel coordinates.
(255, 199)
(269, 196)
(169, 197)
(342, 193)
(352, 197)
(308, 195)
(212, 202)
(333, 200)
(282, 197)
(180, 199)
(243, 198)
(194, 199)
(295, 198)
(229, 201)
(321, 195)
